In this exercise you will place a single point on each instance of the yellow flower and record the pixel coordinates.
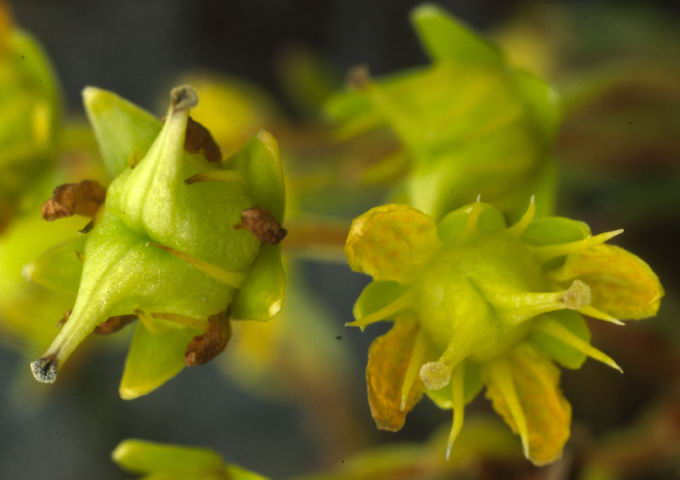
(477, 303)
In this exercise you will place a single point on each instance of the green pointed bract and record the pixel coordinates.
(490, 304)
(124, 131)
(470, 123)
(164, 245)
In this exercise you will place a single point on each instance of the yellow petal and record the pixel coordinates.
(544, 411)
(388, 362)
(390, 242)
(622, 284)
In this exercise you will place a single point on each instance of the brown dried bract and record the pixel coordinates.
(262, 224)
(113, 324)
(199, 139)
(82, 198)
(204, 348)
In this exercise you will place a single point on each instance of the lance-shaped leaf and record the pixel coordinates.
(262, 293)
(124, 131)
(391, 242)
(154, 357)
(524, 389)
(388, 361)
(444, 38)
(622, 284)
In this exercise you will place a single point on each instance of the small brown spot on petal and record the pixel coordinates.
(113, 324)
(207, 346)
(82, 198)
(198, 139)
(263, 225)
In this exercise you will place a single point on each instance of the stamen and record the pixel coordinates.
(216, 176)
(197, 323)
(414, 365)
(502, 376)
(458, 410)
(472, 219)
(436, 375)
(389, 310)
(548, 252)
(518, 229)
(558, 331)
(231, 279)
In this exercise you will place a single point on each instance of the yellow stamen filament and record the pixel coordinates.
(149, 323)
(519, 307)
(560, 332)
(389, 310)
(518, 229)
(599, 315)
(472, 219)
(548, 252)
(414, 364)
(501, 375)
(458, 410)
(231, 279)
(216, 176)
(197, 323)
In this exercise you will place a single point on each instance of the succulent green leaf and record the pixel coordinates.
(260, 163)
(558, 351)
(261, 296)
(555, 230)
(124, 131)
(444, 38)
(60, 267)
(452, 226)
(154, 358)
(144, 457)
(375, 296)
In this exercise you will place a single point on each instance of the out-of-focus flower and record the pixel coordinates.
(469, 122)
(155, 461)
(476, 303)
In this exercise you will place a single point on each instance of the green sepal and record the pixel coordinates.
(375, 296)
(452, 226)
(554, 230)
(557, 350)
(261, 296)
(154, 358)
(472, 384)
(541, 102)
(144, 457)
(124, 131)
(260, 164)
(444, 38)
(60, 267)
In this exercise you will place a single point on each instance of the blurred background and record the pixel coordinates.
(617, 65)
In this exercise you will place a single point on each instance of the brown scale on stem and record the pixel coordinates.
(262, 224)
(198, 139)
(82, 198)
(207, 346)
(113, 324)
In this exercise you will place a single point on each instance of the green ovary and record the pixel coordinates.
(454, 290)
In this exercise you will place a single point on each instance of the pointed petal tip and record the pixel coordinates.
(45, 369)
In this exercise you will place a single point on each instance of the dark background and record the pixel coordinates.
(137, 48)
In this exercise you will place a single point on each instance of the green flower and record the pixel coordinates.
(476, 303)
(181, 243)
(469, 123)
(176, 462)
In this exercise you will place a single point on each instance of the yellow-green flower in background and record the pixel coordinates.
(29, 113)
(158, 461)
(477, 303)
(469, 122)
